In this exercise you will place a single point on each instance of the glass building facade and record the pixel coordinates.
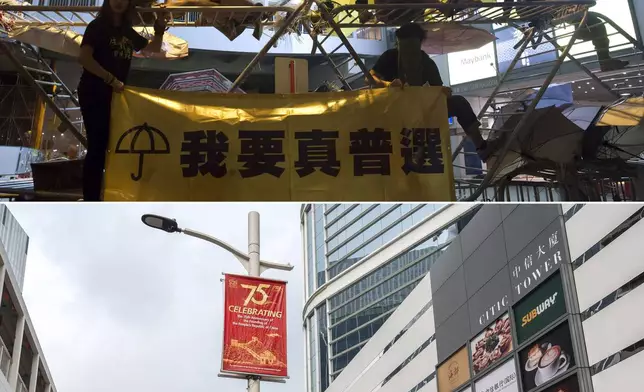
(337, 237)
(15, 242)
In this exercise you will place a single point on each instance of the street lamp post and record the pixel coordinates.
(252, 263)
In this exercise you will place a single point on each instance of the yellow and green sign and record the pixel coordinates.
(543, 306)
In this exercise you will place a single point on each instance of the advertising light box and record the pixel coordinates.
(571, 384)
(494, 343)
(540, 308)
(547, 358)
(454, 372)
(472, 65)
(502, 379)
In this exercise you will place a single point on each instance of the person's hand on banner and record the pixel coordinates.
(117, 86)
(447, 91)
(396, 83)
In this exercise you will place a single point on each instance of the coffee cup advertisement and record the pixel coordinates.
(454, 372)
(494, 343)
(501, 379)
(547, 358)
(571, 384)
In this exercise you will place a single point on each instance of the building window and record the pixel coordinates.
(309, 251)
(27, 246)
(4, 215)
(373, 33)
(312, 355)
(324, 347)
(320, 265)
(393, 222)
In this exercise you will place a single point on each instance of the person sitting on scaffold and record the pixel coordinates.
(106, 54)
(386, 73)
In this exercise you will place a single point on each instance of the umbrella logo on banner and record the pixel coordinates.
(149, 144)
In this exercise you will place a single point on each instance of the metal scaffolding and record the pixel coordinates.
(538, 20)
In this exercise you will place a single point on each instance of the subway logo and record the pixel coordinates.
(536, 312)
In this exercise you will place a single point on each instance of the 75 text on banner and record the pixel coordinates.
(254, 326)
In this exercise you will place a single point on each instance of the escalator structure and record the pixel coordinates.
(540, 21)
(38, 72)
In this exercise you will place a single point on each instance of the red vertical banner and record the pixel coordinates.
(254, 326)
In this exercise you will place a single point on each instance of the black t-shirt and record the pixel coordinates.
(386, 68)
(113, 48)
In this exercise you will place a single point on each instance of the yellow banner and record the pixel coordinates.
(369, 145)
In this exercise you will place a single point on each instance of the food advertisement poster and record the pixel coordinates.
(494, 343)
(571, 384)
(501, 379)
(254, 326)
(547, 358)
(454, 372)
(543, 306)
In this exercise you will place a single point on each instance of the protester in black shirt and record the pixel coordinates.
(106, 53)
(386, 74)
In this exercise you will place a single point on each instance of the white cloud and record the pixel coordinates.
(118, 306)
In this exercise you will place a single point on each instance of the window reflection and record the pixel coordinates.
(319, 243)
(312, 355)
(324, 347)
(309, 251)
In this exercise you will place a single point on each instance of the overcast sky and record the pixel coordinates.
(120, 307)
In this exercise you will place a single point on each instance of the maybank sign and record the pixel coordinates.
(540, 308)
(472, 65)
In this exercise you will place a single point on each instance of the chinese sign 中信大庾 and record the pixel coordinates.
(540, 259)
(254, 326)
(387, 144)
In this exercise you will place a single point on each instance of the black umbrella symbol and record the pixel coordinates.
(150, 148)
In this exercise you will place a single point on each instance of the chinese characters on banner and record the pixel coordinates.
(254, 326)
(368, 145)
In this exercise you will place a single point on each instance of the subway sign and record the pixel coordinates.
(540, 308)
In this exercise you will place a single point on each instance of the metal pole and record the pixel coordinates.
(253, 243)
(288, 22)
(524, 120)
(253, 268)
(497, 89)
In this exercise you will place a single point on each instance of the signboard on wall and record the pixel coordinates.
(471, 65)
(454, 372)
(540, 259)
(543, 306)
(502, 379)
(254, 326)
(571, 384)
(494, 343)
(547, 358)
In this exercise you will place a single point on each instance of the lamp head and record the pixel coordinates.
(161, 223)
